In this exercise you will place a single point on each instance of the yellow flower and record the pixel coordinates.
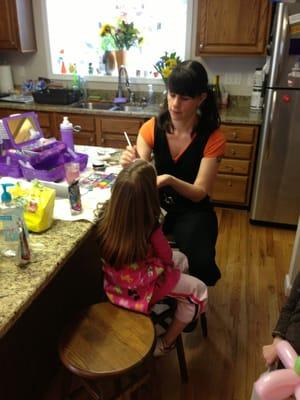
(166, 72)
(106, 29)
(166, 63)
(123, 36)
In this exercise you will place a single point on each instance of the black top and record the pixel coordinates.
(288, 324)
(185, 168)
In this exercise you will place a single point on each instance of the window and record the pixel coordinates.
(75, 42)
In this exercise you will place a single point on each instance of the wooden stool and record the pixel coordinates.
(106, 341)
(163, 319)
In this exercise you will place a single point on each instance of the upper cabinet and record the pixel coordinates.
(16, 26)
(232, 27)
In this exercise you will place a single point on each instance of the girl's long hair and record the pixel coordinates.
(127, 220)
(190, 79)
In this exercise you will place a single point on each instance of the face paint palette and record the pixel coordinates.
(99, 180)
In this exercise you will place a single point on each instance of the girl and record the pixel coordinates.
(138, 265)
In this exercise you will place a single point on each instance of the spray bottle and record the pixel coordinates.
(13, 232)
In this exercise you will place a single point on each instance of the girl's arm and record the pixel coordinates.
(161, 247)
(202, 185)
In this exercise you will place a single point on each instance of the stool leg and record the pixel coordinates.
(92, 390)
(203, 321)
(66, 383)
(181, 359)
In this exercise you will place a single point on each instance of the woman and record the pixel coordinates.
(187, 146)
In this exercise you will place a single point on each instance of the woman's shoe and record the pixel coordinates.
(161, 349)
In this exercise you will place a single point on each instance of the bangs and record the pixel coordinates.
(182, 83)
(185, 82)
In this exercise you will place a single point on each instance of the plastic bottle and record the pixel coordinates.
(217, 91)
(66, 133)
(256, 102)
(6, 198)
(13, 233)
(8, 230)
(150, 99)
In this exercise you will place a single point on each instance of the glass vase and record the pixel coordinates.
(109, 62)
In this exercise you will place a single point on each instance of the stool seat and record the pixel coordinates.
(106, 340)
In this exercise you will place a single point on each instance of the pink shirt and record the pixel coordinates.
(140, 285)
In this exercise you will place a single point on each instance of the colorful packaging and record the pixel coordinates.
(38, 202)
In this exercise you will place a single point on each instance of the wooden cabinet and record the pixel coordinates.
(87, 124)
(232, 27)
(234, 180)
(95, 130)
(111, 131)
(16, 26)
(6, 112)
(47, 123)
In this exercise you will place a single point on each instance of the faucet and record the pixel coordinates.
(120, 92)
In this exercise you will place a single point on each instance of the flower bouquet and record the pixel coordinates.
(166, 63)
(121, 37)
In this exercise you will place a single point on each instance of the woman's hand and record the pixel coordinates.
(128, 156)
(269, 351)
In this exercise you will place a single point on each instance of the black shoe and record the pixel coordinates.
(191, 326)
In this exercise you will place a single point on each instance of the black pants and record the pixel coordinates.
(195, 233)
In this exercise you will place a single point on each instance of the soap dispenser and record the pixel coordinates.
(13, 233)
(6, 198)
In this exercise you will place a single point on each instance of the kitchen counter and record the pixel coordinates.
(19, 287)
(238, 113)
(37, 301)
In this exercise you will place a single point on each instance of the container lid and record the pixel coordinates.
(22, 129)
(66, 123)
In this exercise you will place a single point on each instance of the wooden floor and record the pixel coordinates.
(243, 308)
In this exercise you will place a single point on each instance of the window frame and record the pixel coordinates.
(114, 79)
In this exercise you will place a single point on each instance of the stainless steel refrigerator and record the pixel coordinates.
(276, 192)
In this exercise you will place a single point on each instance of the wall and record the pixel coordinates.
(235, 72)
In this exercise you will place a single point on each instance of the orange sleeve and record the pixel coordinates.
(147, 132)
(215, 146)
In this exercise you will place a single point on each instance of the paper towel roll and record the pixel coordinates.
(6, 81)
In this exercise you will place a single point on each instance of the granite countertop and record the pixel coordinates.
(51, 249)
(146, 112)
(238, 113)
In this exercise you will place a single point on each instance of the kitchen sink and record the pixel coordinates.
(129, 108)
(95, 106)
(109, 106)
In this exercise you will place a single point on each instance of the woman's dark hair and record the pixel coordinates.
(189, 78)
(127, 220)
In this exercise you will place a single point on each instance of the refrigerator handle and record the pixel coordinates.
(281, 29)
(268, 131)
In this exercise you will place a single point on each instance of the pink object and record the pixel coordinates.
(279, 384)
(72, 170)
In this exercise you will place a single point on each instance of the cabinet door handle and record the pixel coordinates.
(229, 183)
(201, 45)
(229, 168)
(233, 152)
(234, 135)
